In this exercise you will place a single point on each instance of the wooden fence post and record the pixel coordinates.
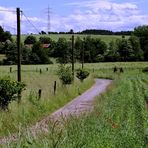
(115, 69)
(55, 87)
(40, 71)
(93, 70)
(39, 94)
(10, 69)
(121, 70)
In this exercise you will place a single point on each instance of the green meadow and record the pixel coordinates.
(31, 109)
(55, 37)
(120, 117)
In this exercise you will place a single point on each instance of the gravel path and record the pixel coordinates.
(81, 104)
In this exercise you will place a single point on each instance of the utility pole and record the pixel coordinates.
(18, 50)
(82, 55)
(73, 55)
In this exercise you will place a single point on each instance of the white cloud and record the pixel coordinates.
(104, 5)
(28, 24)
(106, 15)
(8, 18)
(96, 14)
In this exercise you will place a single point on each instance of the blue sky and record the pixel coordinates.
(115, 15)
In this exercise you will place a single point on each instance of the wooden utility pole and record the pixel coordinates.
(73, 55)
(18, 50)
(82, 55)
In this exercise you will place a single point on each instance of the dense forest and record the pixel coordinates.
(87, 49)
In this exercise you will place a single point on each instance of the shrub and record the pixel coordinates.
(30, 40)
(65, 74)
(8, 91)
(145, 70)
(82, 74)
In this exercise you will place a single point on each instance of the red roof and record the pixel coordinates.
(46, 45)
(43, 45)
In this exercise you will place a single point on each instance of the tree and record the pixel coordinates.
(142, 33)
(26, 55)
(7, 36)
(43, 32)
(100, 49)
(41, 53)
(45, 40)
(11, 54)
(1, 34)
(138, 52)
(94, 49)
(30, 40)
(125, 50)
(62, 51)
(112, 54)
(89, 49)
(4, 35)
(78, 48)
(71, 31)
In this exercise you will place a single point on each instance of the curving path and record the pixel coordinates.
(81, 104)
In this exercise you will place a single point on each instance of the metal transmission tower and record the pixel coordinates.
(48, 19)
(48, 12)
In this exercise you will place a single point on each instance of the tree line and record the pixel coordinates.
(87, 49)
(93, 32)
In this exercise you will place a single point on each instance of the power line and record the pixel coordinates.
(1, 10)
(7, 10)
(31, 23)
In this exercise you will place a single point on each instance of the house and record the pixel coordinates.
(46, 45)
(43, 45)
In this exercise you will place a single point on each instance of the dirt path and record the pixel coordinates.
(80, 104)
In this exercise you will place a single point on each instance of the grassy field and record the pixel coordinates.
(55, 37)
(120, 118)
(31, 109)
(2, 57)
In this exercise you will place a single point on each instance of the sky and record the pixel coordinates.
(114, 15)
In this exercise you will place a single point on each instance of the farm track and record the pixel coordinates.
(81, 104)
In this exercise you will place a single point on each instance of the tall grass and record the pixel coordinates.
(120, 118)
(31, 109)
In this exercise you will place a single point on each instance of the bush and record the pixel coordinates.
(82, 74)
(8, 91)
(30, 40)
(145, 70)
(65, 74)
